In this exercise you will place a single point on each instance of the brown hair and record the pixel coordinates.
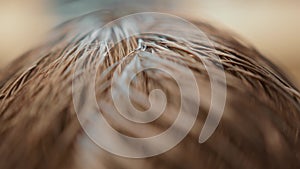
(39, 127)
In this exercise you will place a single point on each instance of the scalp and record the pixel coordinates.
(39, 127)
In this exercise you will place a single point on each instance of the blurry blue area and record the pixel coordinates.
(67, 9)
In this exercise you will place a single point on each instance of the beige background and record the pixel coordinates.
(273, 26)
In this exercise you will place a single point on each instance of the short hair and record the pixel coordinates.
(39, 127)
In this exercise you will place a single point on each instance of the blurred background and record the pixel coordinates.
(272, 26)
